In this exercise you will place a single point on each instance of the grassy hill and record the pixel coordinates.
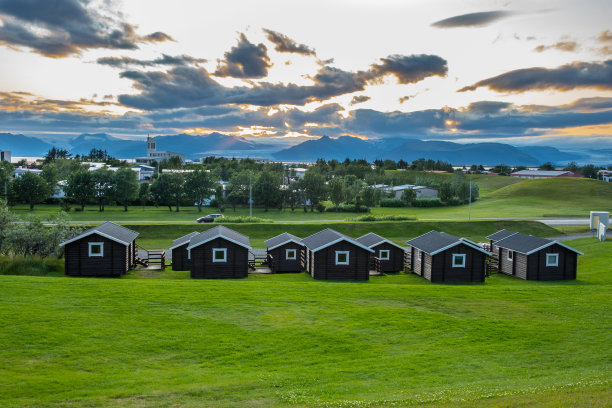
(287, 340)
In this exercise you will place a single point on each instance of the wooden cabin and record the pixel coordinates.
(219, 252)
(286, 253)
(180, 255)
(105, 250)
(441, 257)
(390, 255)
(334, 256)
(499, 235)
(533, 258)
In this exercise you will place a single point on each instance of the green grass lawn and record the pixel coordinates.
(287, 340)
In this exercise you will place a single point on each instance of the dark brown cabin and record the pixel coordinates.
(106, 250)
(441, 257)
(390, 255)
(499, 235)
(286, 253)
(334, 256)
(532, 258)
(219, 253)
(180, 255)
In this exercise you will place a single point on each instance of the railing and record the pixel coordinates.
(376, 264)
(152, 256)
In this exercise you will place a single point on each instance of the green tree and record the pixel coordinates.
(199, 186)
(446, 191)
(336, 191)
(266, 189)
(293, 194)
(314, 188)
(408, 196)
(125, 183)
(6, 173)
(168, 190)
(547, 166)
(238, 189)
(370, 196)
(79, 187)
(7, 219)
(144, 194)
(31, 188)
(104, 185)
(589, 171)
(51, 176)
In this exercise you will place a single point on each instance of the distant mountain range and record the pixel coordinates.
(196, 146)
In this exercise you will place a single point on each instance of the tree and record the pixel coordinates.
(51, 176)
(589, 171)
(199, 186)
(125, 182)
(79, 187)
(408, 196)
(238, 189)
(314, 188)
(266, 189)
(446, 191)
(371, 196)
(104, 185)
(31, 188)
(336, 191)
(547, 166)
(502, 169)
(144, 194)
(293, 194)
(7, 219)
(55, 153)
(6, 172)
(168, 189)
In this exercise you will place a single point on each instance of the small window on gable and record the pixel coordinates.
(552, 259)
(383, 254)
(342, 257)
(458, 260)
(219, 254)
(96, 249)
(291, 254)
(510, 255)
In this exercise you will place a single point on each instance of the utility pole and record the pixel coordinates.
(250, 195)
(470, 203)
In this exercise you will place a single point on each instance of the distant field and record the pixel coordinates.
(506, 197)
(290, 341)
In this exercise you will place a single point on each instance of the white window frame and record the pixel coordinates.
(458, 256)
(291, 258)
(384, 258)
(510, 255)
(214, 252)
(556, 263)
(101, 249)
(347, 253)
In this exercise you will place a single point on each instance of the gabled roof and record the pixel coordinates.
(371, 240)
(434, 242)
(219, 232)
(108, 230)
(183, 240)
(283, 239)
(528, 244)
(501, 234)
(327, 237)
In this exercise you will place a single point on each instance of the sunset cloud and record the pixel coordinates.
(567, 46)
(473, 19)
(282, 43)
(123, 62)
(245, 60)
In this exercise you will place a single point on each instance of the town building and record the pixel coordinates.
(5, 155)
(540, 174)
(154, 155)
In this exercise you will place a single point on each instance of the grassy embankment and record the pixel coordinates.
(506, 197)
(287, 340)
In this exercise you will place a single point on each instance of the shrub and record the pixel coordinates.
(427, 202)
(239, 220)
(392, 202)
(31, 266)
(364, 218)
(454, 201)
(348, 208)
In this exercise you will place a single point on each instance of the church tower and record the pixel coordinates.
(151, 148)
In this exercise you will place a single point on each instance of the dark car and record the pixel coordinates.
(209, 218)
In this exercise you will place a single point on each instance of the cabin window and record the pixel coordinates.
(552, 259)
(342, 257)
(96, 249)
(383, 254)
(458, 260)
(219, 254)
(510, 255)
(291, 254)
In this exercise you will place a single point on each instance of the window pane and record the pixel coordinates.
(341, 257)
(96, 249)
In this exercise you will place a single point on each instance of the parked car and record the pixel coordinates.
(209, 218)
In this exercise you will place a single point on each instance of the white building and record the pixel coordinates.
(605, 175)
(20, 171)
(5, 155)
(156, 155)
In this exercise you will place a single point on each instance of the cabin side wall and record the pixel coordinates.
(180, 258)
(282, 264)
(473, 271)
(565, 270)
(396, 257)
(114, 262)
(235, 266)
(324, 263)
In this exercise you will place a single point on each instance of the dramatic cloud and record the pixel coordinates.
(123, 62)
(596, 75)
(245, 60)
(606, 39)
(282, 43)
(473, 19)
(410, 69)
(61, 28)
(569, 46)
(487, 107)
(359, 99)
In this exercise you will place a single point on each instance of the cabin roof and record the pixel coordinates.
(183, 240)
(108, 230)
(327, 237)
(434, 242)
(371, 240)
(283, 239)
(501, 234)
(528, 244)
(219, 231)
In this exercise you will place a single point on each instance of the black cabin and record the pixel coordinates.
(180, 255)
(106, 250)
(532, 258)
(286, 253)
(390, 255)
(219, 252)
(499, 235)
(441, 257)
(334, 256)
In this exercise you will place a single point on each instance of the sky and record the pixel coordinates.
(519, 72)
